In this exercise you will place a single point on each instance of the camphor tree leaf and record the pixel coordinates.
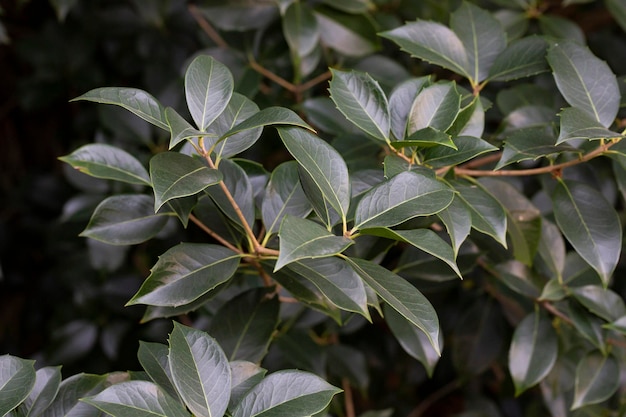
(533, 352)
(590, 224)
(578, 124)
(597, 378)
(305, 239)
(529, 144)
(401, 101)
(48, 380)
(585, 81)
(403, 297)
(434, 43)
(71, 390)
(482, 36)
(361, 100)
(467, 147)
(175, 175)
(283, 195)
(239, 109)
(323, 165)
(436, 106)
(186, 272)
(243, 326)
(293, 393)
(108, 162)
(200, 371)
(413, 340)
(125, 219)
(132, 99)
(208, 89)
(181, 129)
(407, 195)
(17, 379)
(522, 58)
(153, 360)
(137, 398)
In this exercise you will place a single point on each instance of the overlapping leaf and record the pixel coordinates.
(529, 144)
(578, 124)
(436, 106)
(153, 360)
(67, 402)
(467, 147)
(597, 378)
(400, 103)
(239, 109)
(47, 382)
(522, 58)
(238, 184)
(17, 378)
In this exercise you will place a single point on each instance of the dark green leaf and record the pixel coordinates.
(239, 109)
(552, 248)
(530, 144)
(293, 393)
(585, 81)
(578, 124)
(425, 138)
(618, 10)
(17, 379)
(530, 116)
(436, 106)
(71, 390)
(134, 100)
(125, 220)
(588, 326)
(269, 116)
(590, 224)
(533, 352)
(238, 184)
(471, 119)
(394, 165)
(402, 297)
(401, 101)
(458, 221)
(350, 6)
(561, 28)
(300, 28)
(618, 325)
(362, 101)
(200, 371)
(348, 34)
(322, 113)
(597, 378)
(467, 147)
(175, 175)
(244, 376)
(602, 302)
(522, 95)
(347, 362)
(157, 312)
(243, 326)
(208, 89)
(44, 391)
(153, 360)
(522, 58)
(137, 399)
(185, 273)
(401, 198)
(519, 278)
(108, 162)
(181, 129)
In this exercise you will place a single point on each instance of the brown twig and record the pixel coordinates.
(213, 234)
(556, 312)
(206, 27)
(347, 397)
(269, 74)
(313, 82)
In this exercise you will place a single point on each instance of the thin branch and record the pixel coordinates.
(476, 163)
(269, 74)
(347, 397)
(434, 397)
(616, 342)
(206, 27)
(313, 82)
(556, 312)
(213, 234)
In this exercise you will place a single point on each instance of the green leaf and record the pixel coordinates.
(200, 371)
(588, 326)
(578, 124)
(283, 195)
(158, 312)
(348, 362)
(458, 221)
(530, 116)
(530, 144)
(349, 34)
(401, 198)
(618, 11)
(413, 341)
(71, 390)
(305, 239)
(243, 327)
(337, 281)
(137, 399)
(482, 36)
(175, 175)
(522, 58)
(519, 278)
(602, 302)
(425, 138)
(467, 147)
(471, 118)
(322, 113)
(590, 224)
(181, 129)
(432, 42)
(208, 89)
(134, 100)
(585, 81)
(186, 272)
(488, 215)
(238, 184)
(423, 239)
(153, 360)
(125, 219)
(17, 379)
(552, 249)
(618, 325)
(244, 376)
(239, 110)
(597, 378)
(108, 162)
(533, 352)
(561, 28)
(293, 393)
(401, 101)
(361, 100)
(402, 297)
(436, 106)
(48, 380)
(323, 165)
(300, 28)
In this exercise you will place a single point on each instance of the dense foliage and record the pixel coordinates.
(432, 224)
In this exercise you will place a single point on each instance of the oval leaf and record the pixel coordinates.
(239, 109)
(17, 378)
(602, 302)
(597, 378)
(44, 391)
(522, 58)
(153, 360)
(71, 390)
(400, 103)
(467, 147)
(436, 106)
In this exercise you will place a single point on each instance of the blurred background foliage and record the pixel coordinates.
(62, 296)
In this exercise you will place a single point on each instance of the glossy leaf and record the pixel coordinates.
(239, 109)
(305, 239)
(137, 398)
(561, 28)
(578, 124)
(400, 103)
(17, 379)
(533, 352)
(590, 224)
(432, 42)
(530, 144)
(200, 371)
(604, 303)
(283, 195)
(552, 248)
(467, 147)
(361, 100)
(47, 382)
(132, 99)
(71, 390)
(482, 36)
(458, 221)
(125, 220)
(175, 175)
(402, 297)
(296, 393)
(323, 165)
(108, 162)
(208, 89)
(522, 58)
(436, 106)
(269, 116)
(186, 272)
(585, 81)
(401, 198)
(588, 326)
(238, 184)
(300, 28)
(349, 34)
(425, 138)
(243, 327)
(153, 360)
(244, 376)
(597, 378)
(181, 130)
